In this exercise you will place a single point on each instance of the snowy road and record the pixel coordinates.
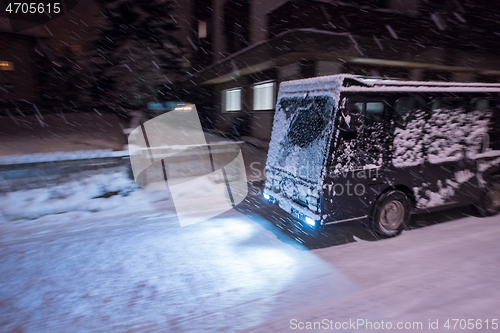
(108, 272)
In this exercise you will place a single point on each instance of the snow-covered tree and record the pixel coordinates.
(136, 53)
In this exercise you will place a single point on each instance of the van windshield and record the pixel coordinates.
(303, 127)
(310, 117)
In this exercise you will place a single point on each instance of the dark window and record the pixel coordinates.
(406, 108)
(447, 103)
(374, 113)
(352, 117)
(481, 104)
(202, 34)
(363, 141)
(236, 24)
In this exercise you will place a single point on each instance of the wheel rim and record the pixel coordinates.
(392, 216)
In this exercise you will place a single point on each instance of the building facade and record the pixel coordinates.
(24, 54)
(18, 73)
(240, 50)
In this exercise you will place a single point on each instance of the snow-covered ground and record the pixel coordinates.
(441, 272)
(132, 268)
(102, 255)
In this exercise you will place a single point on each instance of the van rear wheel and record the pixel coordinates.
(391, 214)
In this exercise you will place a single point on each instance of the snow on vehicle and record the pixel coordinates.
(346, 148)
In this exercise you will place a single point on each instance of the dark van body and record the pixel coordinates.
(346, 148)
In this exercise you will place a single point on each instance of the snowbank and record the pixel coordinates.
(96, 193)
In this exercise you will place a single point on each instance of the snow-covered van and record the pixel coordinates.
(346, 148)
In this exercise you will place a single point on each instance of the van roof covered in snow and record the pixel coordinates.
(348, 82)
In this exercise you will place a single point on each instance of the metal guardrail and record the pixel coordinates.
(45, 170)
(22, 172)
(13, 160)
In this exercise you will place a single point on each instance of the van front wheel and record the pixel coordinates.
(391, 214)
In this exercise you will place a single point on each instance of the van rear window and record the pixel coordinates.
(310, 117)
(302, 129)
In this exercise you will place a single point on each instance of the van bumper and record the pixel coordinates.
(305, 216)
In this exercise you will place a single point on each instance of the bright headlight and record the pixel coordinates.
(310, 221)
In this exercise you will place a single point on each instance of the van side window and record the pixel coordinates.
(437, 104)
(374, 113)
(448, 103)
(358, 106)
(482, 104)
(354, 112)
(366, 144)
(406, 108)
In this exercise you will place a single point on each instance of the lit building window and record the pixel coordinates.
(263, 96)
(75, 47)
(6, 66)
(232, 99)
(202, 29)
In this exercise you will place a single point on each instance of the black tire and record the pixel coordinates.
(489, 205)
(391, 214)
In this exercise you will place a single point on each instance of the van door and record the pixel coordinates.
(295, 163)
(449, 176)
(408, 149)
(476, 141)
(355, 165)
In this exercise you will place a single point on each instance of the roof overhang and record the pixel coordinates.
(303, 44)
(37, 31)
